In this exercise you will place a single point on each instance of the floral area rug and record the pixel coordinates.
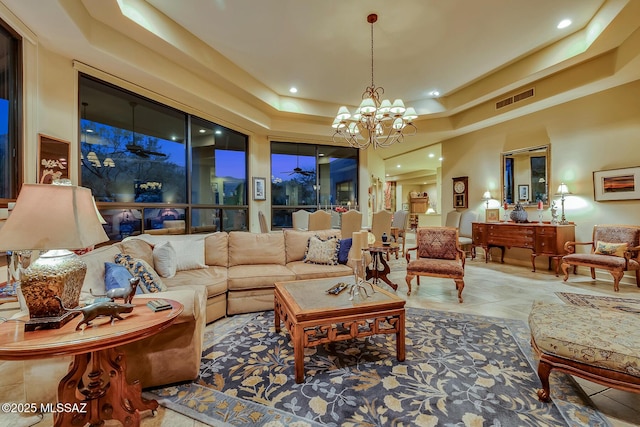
(630, 305)
(460, 370)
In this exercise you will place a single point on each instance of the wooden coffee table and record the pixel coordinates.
(314, 317)
(96, 386)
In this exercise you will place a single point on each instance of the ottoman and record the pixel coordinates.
(599, 345)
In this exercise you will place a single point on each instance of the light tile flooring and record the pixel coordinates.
(492, 289)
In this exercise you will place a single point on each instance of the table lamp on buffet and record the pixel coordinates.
(53, 219)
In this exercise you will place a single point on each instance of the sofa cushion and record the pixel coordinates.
(608, 248)
(138, 249)
(165, 259)
(258, 276)
(213, 279)
(321, 251)
(216, 249)
(296, 241)
(601, 337)
(256, 248)
(603, 261)
(304, 271)
(190, 253)
(150, 282)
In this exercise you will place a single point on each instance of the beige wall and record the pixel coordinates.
(598, 132)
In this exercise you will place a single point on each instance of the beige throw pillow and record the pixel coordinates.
(190, 254)
(615, 249)
(165, 259)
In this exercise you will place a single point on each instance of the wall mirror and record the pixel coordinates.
(525, 176)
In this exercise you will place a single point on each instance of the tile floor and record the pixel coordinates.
(492, 289)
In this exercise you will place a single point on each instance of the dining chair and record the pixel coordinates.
(300, 219)
(263, 222)
(465, 231)
(399, 226)
(319, 220)
(453, 219)
(350, 222)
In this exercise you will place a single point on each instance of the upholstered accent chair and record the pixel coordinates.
(614, 248)
(465, 233)
(438, 255)
(263, 222)
(300, 219)
(399, 226)
(350, 222)
(319, 220)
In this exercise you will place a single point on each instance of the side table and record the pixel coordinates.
(380, 269)
(96, 383)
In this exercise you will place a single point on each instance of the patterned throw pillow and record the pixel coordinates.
(150, 282)
(615, 249)
(322, 251)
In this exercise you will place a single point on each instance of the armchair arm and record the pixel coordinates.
(570, 246)
(407, 256)
(463, 256)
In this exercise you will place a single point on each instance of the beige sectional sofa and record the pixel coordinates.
(231, 273)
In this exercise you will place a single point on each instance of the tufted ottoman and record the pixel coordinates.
(602, 346)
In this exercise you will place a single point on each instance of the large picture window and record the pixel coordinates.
(311, 177)
(10, 116)
(155, 169)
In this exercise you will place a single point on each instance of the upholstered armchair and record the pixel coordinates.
(438, 255)
(614, 248)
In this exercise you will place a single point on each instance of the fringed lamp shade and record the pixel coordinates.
(52, 218)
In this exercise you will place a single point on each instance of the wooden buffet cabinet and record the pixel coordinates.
(541, 238)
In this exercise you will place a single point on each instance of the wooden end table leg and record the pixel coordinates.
(106, 395)
(276, 313)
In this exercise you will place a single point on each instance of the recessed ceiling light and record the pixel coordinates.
(173, 138)
(397, 166)
(89, 130)
(564, 23)
(431, 155)
(293, 90)
(320, 154)
(434, 93)
(387, 175)
(202, 131)
(441, 158)
(218, 132)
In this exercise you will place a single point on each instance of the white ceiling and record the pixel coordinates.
(257, 49)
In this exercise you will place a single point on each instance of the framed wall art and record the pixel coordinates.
(259, 188)
(53, 159)
(616, 184)
(523, 193)
(492, 215)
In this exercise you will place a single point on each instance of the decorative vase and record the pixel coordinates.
(384, 237)
(518, 214)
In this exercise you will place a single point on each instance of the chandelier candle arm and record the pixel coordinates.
(376, 122)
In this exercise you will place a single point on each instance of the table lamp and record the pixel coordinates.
(55, 219)
(486, 197)
(562, 190)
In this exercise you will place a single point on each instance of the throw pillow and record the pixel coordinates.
(190, 254)
(165, 259)
(322, 251)
(117, 276)
(150, 282)
(343, 251)
(615, 249)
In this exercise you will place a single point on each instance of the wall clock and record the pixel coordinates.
(460, 192)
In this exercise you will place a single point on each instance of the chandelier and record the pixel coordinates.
(374, 122)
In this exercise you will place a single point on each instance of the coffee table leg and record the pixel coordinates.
(297, 334)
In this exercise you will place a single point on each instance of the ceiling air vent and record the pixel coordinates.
(515, 98)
